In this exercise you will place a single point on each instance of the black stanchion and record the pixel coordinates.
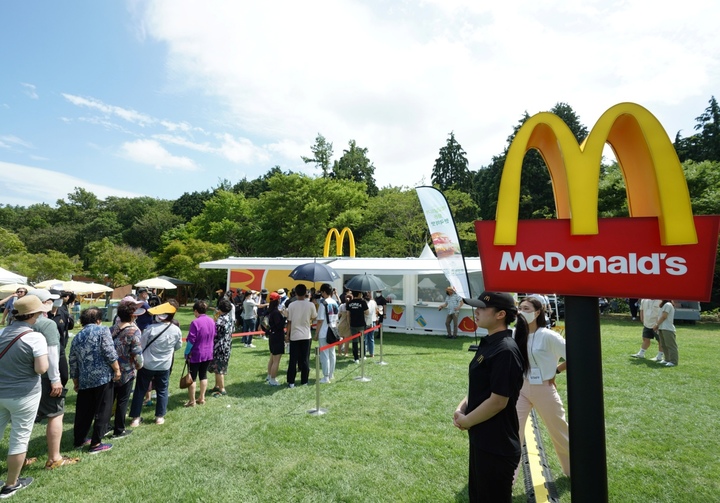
(588, 462)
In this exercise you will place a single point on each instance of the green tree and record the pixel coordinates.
(227, 218)
(451, 167)
(293, 218)
(10, 243)
(253, 188)
(354, 165)
(191, 204)
(38, 267)
(704, 145)
(181, 259)
(120, 264)
(322, 155)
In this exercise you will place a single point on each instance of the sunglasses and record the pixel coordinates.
(20, 291)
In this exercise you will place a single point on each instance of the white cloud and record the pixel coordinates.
(30, 90)
(399, 77)
(12, 141)
(152, 153)
(110, 110)
(25, 185)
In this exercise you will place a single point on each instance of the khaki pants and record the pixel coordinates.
(669, 344)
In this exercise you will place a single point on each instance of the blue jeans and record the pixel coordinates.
(370, 343)
(160, 380)
(248, 326)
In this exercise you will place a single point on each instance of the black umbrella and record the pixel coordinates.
(314, 272)
(366, 283)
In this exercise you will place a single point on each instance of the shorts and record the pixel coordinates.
(50, 406)
(201, 367)
(649, 334)
(20, 413)
(276, 344)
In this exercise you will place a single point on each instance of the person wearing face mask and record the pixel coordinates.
(545, 348)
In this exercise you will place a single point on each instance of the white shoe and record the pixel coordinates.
(251, 345)
(660, 357)
(273, 382)
(291, 385)
(661, 362)
(247, 345)
(324, 380)
(638, 355)
(263, 338)
(667, 364)
(357, 361)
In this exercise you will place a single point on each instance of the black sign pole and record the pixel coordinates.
(586, 411)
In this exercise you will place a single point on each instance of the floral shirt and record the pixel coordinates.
(222, 344)
(127, 345)
(91, 353)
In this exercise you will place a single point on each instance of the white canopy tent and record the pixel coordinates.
(414, 308)
(7, 277)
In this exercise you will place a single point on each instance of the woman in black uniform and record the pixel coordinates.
(488, 411)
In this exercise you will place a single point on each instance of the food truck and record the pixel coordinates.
(416, 286)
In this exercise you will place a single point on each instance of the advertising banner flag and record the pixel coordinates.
(445, 238)
(662, 251)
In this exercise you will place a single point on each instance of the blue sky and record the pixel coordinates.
(164, 97)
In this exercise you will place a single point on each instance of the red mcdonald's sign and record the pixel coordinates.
(661, 251)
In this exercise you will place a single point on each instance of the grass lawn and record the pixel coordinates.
(392, 439)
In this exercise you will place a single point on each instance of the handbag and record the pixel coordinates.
(185, 379)
(332, 335)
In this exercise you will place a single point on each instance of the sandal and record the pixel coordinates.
(216, 389)
(189, 404)
(64, 460)
(28, 461)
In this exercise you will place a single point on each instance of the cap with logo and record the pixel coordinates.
(498, 300)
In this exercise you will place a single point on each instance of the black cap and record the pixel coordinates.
(142, 289)
(497, 300)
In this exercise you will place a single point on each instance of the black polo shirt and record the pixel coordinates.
(496, 368)
(357, 308)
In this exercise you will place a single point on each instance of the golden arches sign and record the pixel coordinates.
(339, 239)
(662, 251)
(654, 178)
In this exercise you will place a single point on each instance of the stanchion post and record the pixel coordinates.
(362, 377)
(317, 411)
(381, 362)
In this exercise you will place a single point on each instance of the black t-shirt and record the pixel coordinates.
(496, 368)
(357, 308)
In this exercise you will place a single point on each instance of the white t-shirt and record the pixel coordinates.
(667, 323)
(371, 317)
(332, 311)
(545, 348)
(300, 314)
(651, 311)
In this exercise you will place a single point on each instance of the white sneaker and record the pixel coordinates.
(273, 382)
(661, 362)
(638, 355)
(670, 364)
(357, 361)
(660, 357)
(263, 338)
(247, 345)
(324, 380)
(251, 345)
(291, 385)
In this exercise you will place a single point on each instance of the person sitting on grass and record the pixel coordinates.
(222, 347)
(159, 342)
(94, 369)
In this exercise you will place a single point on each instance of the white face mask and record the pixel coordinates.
(529, 317)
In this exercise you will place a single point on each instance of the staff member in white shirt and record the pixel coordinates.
(545, 348)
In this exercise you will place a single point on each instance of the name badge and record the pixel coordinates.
(535, 376)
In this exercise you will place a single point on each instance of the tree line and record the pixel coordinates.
(119, 241)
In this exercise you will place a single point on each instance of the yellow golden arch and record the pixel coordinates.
(654, 178)
(339, 239)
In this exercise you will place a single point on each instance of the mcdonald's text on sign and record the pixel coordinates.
(661, 251)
